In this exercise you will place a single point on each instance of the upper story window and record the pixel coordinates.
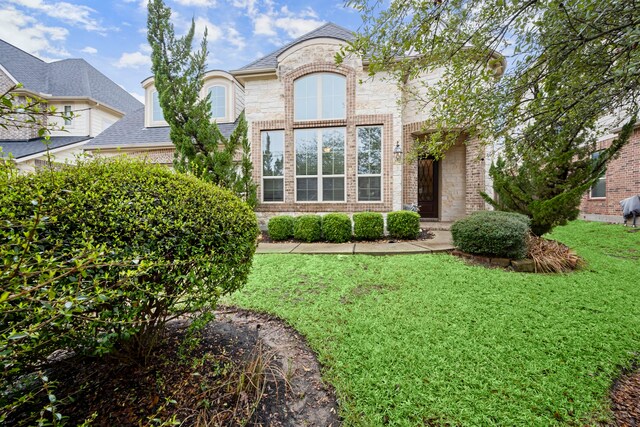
(218, 102)
(67, 112)
(319, 96)
(156, 110)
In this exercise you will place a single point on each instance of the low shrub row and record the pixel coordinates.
(338, 227)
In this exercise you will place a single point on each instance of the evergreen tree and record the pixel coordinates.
(201, 149)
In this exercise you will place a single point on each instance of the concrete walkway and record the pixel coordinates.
(440, 243)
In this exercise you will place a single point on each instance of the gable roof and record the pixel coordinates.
(19, 149)
(129, 132)
(68, 77)
(328, 30)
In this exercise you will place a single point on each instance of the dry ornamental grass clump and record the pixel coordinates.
(550, 256)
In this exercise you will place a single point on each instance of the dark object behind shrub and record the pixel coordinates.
(368, 225)
(336, 227)
(403, 224)
(308, 228)
(281, 227)
(491, 233)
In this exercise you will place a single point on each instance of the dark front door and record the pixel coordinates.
(428, 187)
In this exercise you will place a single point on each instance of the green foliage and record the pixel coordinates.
(490, 233)
(308, 228)
(281, 227)
(200, 147)
(368, 225)
(403, 224)
(336, 227)
(470, 338)
(97, 256)
(547, 181)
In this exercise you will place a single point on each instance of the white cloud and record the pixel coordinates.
(269, 20)
(138, 96)
(263, 25)
(133, 60)
(74, 14)
(295, 27)
(28, 34)
(235, 38)
(90, 50)
(198, 3)
(213, 31)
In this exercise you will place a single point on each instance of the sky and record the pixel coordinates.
(111, 35)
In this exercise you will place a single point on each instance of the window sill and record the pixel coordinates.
(598, 198)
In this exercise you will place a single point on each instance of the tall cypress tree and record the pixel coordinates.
(201, 149)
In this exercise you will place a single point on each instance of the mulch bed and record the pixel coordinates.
(248, 370)
(625, 400)
(425, 234)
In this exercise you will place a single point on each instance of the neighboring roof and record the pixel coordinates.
(69, 77)
(328, 30)
(129, 132)
(19, 149)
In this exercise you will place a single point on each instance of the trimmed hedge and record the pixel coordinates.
(336, 227)
(492, 233)
(308, 228)
(280, 227)
(403, 224)
(368, 225)
(97, 256)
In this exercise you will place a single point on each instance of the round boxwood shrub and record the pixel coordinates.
(280, 227)
(336, 227)
(491, 233)
(368, 225)
(308, 228)
(403, 224)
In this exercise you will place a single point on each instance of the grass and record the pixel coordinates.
(427, 340)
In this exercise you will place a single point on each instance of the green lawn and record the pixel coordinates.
(428, 340)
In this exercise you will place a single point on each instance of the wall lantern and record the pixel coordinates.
(397, 152)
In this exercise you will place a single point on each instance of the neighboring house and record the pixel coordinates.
(621, 180)
(325, 138)
(71, 85)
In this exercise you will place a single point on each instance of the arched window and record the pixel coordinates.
(319, 96)
(156, 110)
(218, 102)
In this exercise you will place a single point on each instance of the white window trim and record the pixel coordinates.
(319, 175)
(71, 123)
(226, 102)
(382, 160)
(284, 169)
(319, 97)
(152, 122)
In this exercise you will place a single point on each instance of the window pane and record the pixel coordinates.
(307, 189)
(67, 112)
(333, 96)
(156, 109)
(369, 189)
(273, 153)
(369, 150)
(273, 190)
(333, 189)
(306, 152)
(333, 152)
(599, 189)
(218, 101)
(305, 98)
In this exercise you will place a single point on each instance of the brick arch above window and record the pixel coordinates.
(313, 68)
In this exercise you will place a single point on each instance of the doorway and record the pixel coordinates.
(428, 197)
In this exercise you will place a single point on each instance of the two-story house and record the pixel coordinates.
(325, 138)
(70, 85)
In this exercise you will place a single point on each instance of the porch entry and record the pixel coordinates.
(428, 195)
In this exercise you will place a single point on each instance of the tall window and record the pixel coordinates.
(273, 166)
(218, 102)
(67, 111)
(319, 157)
(156, 110)
(599, 189)
(319, 96)
(370, 164)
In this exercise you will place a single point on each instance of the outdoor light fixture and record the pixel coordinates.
(397, 151)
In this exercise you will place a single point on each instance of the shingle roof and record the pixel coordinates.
(19, 149)
(129, 132)
(69, 77)
(328, 30)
